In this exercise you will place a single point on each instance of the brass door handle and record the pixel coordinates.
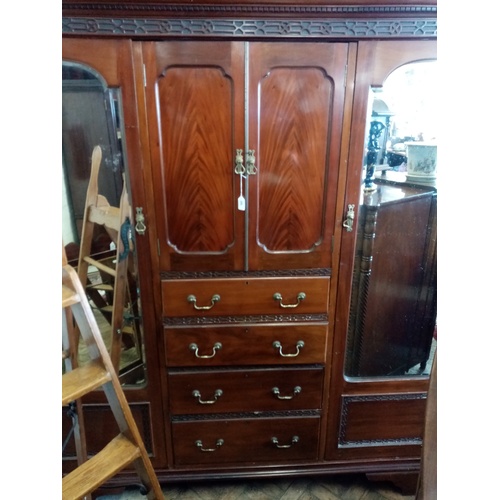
(349, 221)
(140, 227)
(239, 167)
(250, 163)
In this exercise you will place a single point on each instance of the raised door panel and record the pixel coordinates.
(195, 114)
(296, 101)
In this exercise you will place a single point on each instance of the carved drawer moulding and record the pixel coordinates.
(249, 21)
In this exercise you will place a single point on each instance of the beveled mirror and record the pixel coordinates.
(91, 116)
(392, 323)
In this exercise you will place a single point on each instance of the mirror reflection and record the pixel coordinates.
(90, 118)
(392, 323)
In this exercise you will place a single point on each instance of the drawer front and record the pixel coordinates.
(245, 390)
(240, 296)
(240, 441)
(246, 345)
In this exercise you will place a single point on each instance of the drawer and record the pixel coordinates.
(239, 441)
(228, 345)
(218, 391)
(243, 296)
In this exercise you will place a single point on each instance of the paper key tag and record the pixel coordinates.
(241, 203)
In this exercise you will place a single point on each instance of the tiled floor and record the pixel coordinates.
(318, 488)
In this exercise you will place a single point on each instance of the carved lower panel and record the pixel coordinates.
(339, 29)
(382, 420)
(101, 427)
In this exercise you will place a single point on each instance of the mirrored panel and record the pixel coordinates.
(91, 117)
(392, 324)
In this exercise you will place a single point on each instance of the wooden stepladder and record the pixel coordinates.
(115, 289)
(127, 447)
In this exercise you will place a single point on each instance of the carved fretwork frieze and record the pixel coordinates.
(280, 273)
(246, 415)
(342, 28)
(261, 318)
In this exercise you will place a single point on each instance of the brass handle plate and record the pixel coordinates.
(140, 227)
(239, 167)
(349, 221)
(250, 163)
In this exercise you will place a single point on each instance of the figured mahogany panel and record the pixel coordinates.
(192, 97)
(296, 101)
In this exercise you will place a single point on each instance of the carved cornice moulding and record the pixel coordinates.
(165, 20)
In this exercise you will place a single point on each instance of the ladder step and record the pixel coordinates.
(69, 296)
(83, 380)
(100, 266)
(91, 474)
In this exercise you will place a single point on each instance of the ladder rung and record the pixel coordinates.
(101, 286)
(69, 297)
(83, 380)
(100, 266)
(114, 457)
(106, 309)
(128, 330)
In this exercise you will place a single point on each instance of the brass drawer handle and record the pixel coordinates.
(277, 345)
(218, 444)
(217, 394)
(300, 296)
(215, 348)
(192, 300)
(274, 440)
(296, 390)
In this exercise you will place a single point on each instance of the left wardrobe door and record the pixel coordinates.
(99, 107)
(194, 94)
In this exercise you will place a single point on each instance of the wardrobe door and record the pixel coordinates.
(195, 115)
(296, 103)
